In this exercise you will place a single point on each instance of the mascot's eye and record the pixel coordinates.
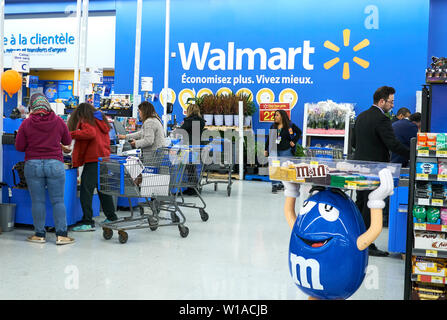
(307, 206)
(328, 212)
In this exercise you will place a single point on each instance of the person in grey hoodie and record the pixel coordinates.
(151, 136)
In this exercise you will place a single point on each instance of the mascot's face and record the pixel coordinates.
(323, 257)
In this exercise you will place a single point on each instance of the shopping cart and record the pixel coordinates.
(327, 153)
(191, 178)
(152, 177)
(219, 158)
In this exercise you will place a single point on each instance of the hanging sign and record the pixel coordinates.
(267, 110)
(20, 62)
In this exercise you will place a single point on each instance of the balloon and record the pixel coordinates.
(11, 82)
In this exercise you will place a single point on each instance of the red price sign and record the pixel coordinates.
(267, 110)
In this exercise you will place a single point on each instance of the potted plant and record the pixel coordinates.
(206, 105)
(228, 109)
(249, 112)
(218, 110)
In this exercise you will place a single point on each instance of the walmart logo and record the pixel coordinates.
(346, 37)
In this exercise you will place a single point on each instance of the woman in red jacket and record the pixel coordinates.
(90, 130)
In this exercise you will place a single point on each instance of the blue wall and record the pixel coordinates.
(437, 46)
(397, 52)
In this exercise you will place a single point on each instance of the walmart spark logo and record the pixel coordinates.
(346, 37)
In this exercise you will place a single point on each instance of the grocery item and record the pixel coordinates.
(419, 213)
(444, 216)
(422, 141)
(431, 141)
(433, 215)
(442, 166)
(441, 141)
(428, 166)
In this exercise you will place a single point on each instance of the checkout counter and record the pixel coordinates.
(21, 197)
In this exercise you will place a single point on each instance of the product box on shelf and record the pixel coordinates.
(427, 166)
(430, 240)
(339, 173)
(429, 266)
(428, 291)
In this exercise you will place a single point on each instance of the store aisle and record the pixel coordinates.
(239, 253)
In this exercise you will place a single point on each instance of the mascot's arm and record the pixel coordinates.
(291, 191)
(376, 204)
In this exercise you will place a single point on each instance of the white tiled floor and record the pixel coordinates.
(239, 253)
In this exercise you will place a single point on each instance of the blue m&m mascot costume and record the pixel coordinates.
(328, 252)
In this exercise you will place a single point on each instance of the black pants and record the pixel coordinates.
(89, 181)
(362, 204)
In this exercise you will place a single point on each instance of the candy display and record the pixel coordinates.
(349, 174)
(420, 214)
(429, 291)
(433, 215)
(428, 166)
(429, 266)
(444, 216)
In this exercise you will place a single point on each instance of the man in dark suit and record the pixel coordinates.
(404, 130)
(373, 139)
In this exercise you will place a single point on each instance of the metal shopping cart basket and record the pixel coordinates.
(191, 178)
(152, 177)
(327, 153)
(219, 157)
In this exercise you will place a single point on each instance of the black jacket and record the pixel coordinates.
(293, 134)
(373, 137)
(188, 125)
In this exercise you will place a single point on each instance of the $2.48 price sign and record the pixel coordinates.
(267, 110)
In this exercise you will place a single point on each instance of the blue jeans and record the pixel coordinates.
(46, 174)
(281, 153)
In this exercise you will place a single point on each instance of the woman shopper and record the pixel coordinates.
(90, 130)
(285, 135)
(151, 136)
(40, 137)
(191, 123)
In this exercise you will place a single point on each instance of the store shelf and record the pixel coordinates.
(428, 278)
(431, 202)
(429, 253)
(431, 154)
(430, 227)
(431, 177)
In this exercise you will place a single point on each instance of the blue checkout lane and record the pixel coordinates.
(21, 197)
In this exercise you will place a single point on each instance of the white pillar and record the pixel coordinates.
(166, 80)
(136, 75)
(83, 45)
(2, 33)
(77, 46)
(241, 140)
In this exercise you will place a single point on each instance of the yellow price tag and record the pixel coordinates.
(276, 163)
(437, 202)
(444, 228)
(431, 253)
(422, 176)
(436, 279)
(441, 153)
(315, 163)
(419, 226)
(442, 177)
(423, 153)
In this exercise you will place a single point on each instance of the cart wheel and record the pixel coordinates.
(174, 218)
(153, 224)
(107, 233)
(229, 191)
(215, 187)
(184, 231)
(204, 215)
(122, 236)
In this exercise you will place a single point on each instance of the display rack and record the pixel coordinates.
(308, 133)
(426, 240)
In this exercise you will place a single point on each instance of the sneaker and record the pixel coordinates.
(36, 239)
(106, 221)
(83, 228)
(64, 240)
(274, 189)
